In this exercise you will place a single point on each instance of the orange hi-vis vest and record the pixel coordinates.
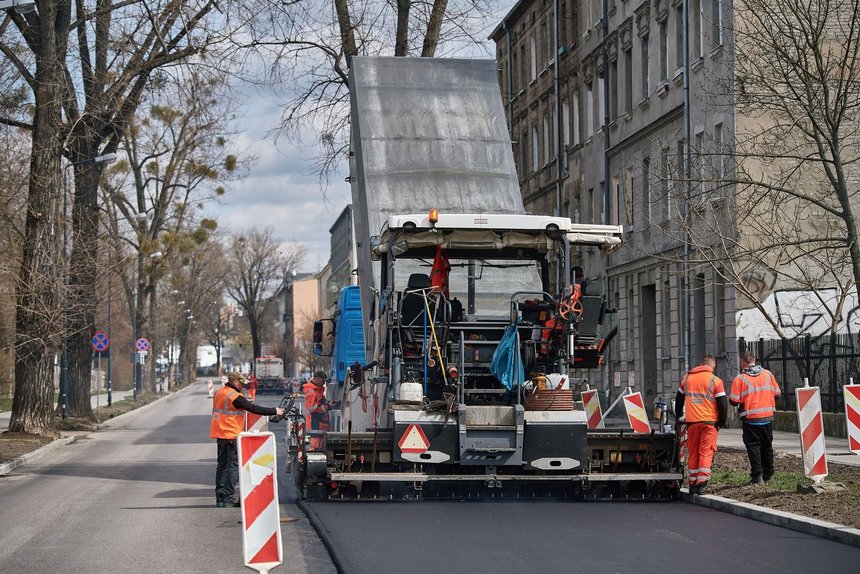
(757, 394)
(700, 388)
(227, 420)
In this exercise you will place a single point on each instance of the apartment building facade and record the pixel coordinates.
(601, 125)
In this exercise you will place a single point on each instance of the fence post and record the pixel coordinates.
(807, 351)
(834, 380)
(784, 356)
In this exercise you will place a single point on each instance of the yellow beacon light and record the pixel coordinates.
(434, 216)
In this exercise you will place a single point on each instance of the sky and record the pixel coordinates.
(280, 191)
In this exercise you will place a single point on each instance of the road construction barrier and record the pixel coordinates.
(593, 413)
(211, 392)
(636, 414)
(852, 416)
(811, 425)
(261, 522)
(256, 423)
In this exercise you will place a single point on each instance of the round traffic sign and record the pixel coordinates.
(101, 342)
(141, 344)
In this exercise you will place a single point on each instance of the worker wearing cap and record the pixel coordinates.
(754, 392)
(316, 409)
(228, 418)
(701, 400)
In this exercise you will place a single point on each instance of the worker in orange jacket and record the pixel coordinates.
(701, 401)
(228, 419)
(316, 410)
(754, 392)
(252, 387)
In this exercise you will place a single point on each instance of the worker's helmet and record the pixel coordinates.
(236, 376)
(319, 375)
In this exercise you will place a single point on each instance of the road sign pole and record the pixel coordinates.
(98, 381)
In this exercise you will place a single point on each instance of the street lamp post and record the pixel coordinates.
(100, 160)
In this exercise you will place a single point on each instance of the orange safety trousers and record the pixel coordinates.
(702, 444)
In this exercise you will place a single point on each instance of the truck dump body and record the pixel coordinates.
(426, 133)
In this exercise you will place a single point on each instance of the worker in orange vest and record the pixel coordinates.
(701, 401)
(252, 387)
(754, 392)
(228, 418)
(316, 409)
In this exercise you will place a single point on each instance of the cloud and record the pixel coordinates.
(280, 190)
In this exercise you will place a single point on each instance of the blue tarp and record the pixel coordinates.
(507, 364)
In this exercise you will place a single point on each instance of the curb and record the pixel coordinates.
(323, 534)
(108, 423)
(811, 526)
(8, 467)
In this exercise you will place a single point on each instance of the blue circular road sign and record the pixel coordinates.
(101, 342)
(141, 345)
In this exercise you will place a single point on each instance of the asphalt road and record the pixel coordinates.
(139, 498)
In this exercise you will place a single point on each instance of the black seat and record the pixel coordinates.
(412, 304)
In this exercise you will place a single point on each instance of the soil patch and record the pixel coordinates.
(16, 444)
(731, 475)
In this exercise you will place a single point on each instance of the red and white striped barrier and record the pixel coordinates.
(811, 432)
(261, 522)
(852, 416)
(636, 414)
(211, 392)
(593, 413)
(256, 423)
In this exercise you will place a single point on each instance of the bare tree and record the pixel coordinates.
(256, 269)
(797, 146)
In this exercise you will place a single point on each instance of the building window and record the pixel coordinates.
(533, 58)
(524, 155)
(716, 23)
(576, 127)
(546, 135)
(515, 66)
(544, 58)
(646, 70)
(719, 166)
(589, 207)
(720, 313)
(565, 122)
(535, 148)
(589, 111)
(664, 51)
(613, 90)
(701, 174)
(628, 198)
(601, 104)
(614, 200)
(666, 319)
(696, 20)
(679, 35)
(646, 189)
(681, 171)
(628, 80)
(664, 181)
(596, 9)
(523, 68)
(555, 132)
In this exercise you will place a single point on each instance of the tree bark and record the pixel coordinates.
(401, 40)
(38, 301)
(83, 300)
(434, 27)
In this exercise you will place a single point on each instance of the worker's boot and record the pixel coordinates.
(755, 480)
(700, 488)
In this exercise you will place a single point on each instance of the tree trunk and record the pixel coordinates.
(254, 326)
(83, 298)
(152, 383)
(37, 319)
(401, 39)
(434, 26)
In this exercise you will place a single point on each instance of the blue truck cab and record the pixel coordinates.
(342, 339)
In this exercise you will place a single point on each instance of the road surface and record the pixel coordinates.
(138, 497)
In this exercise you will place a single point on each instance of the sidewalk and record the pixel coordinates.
(97, 401)
(788, 442)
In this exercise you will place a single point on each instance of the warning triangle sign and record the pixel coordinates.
(413, 440)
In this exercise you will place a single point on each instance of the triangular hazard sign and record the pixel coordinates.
(413, 440)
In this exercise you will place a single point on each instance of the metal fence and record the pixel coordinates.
(829, 361)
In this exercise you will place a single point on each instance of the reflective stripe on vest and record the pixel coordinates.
(226, 422)
(701, 402)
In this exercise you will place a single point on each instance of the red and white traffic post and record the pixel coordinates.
(593, 413)
(811, 424)
(262, 546)
(256, 423)
(636, 415)
(852, 415)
